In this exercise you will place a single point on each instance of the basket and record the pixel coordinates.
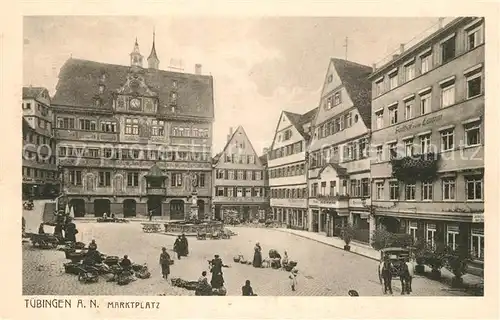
(111, 260)
(236, 259)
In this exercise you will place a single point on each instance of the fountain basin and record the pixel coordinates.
(191, 229)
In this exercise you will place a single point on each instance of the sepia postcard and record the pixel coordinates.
(305, 160)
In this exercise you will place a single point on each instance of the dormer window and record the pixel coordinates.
(173, 97)
(336, 99)
(329, 103)
(101, 89)
(174, 83)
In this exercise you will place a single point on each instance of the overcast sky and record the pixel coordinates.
(260, 66)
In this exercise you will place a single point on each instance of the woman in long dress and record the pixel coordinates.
(257, 256)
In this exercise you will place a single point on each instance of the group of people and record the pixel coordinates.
(276, 262)
(65, 229)
(181, 246)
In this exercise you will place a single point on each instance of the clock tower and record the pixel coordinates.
(135, 56)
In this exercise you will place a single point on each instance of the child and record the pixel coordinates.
(293, 278)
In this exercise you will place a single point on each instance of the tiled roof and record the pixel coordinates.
(354, 77)
(155, 171)
(32, 92)
(299, 120)
(79, 82)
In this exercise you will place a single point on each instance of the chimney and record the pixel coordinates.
(197, 68)
(374, 66)
(440, 23)
(402, 47)
(265, 151)
(395, 56)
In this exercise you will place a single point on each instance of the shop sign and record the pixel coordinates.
(478, 218)
(419, 123)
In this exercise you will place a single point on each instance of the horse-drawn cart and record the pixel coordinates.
(395, 256)
(151, 227)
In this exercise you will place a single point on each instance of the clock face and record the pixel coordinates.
(135, 104)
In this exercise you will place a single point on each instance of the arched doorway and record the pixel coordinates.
(78, 207)
(129, 208)
(176, 210)
(102, 206)
(390, 224)
(201, 209)
(155, 205)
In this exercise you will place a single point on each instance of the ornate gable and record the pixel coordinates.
(135, 85)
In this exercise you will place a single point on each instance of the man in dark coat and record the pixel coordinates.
(178, 247)
(70, 230)
(185, 245)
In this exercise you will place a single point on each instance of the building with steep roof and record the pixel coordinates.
(339, 168)
(40, 176)
(287, 168)
(428, 137)
(134, 139)
(239, 179)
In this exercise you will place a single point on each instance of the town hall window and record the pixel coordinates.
(133, 179)
(75, 177)
(104, 178)
(132, 126)
(158, 128)
(108, 126)
(86, 124)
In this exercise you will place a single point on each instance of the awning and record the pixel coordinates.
(362, 214)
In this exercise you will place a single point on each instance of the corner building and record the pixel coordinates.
(287, 169)
(429, 100)
(339, 168)
(134, 139)
(40, 176)
(240, 179)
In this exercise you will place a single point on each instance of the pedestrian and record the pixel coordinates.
(105, 216)
(165, 263)
(185, 245)
(387, 276)
(178, 247)
(247, 290)
(150, 215)
(293, 278)
(203, 288)
(217, 280)
(40, 229)
(126, 264)
(257, 256)
(70, 230)
(92, 245)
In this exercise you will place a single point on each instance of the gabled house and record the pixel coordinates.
(239, 181)
(287, 168)
(339, 168)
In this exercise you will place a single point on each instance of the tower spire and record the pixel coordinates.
(135, 56)
(153, 61)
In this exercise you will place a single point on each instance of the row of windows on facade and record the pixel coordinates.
(239, 158)
(104, 179)
(452, 236)
(44, 110)
(358, 188)
(285, 135)
(42, 123)
(447, 98)
(239, 192)
(336, 124)
(239, 174)
(288, 150)
(334, 99)
(39, 158)
(131, 127)
(126, 154)
(294, 193)
(354, 150)
(38, 139)
(288, 171)
(472, 137)
(474, 38)
(473, 190)
(38, 173)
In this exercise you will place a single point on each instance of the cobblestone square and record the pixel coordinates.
(323, 270)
